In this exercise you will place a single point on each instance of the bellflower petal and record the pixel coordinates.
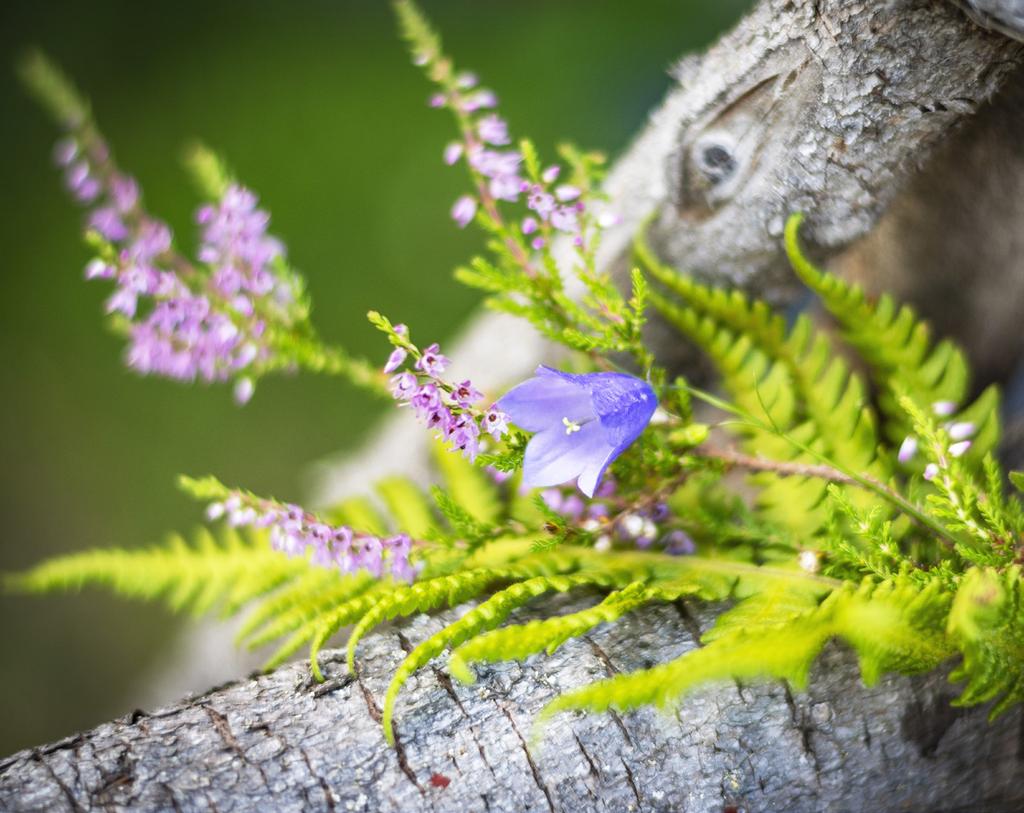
(582, 423)
(552, 457)
(532, 404)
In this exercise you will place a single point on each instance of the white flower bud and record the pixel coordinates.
(808, 560)
(632, 525)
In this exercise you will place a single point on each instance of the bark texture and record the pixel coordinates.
(831, 107)
(953, 239)
(277, 742)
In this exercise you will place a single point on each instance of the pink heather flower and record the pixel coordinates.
(541, 202)
(567, 192)
(564, 219)
(97, 269)
(464, 211)
(552, 498)
(65, 152)
(480, 100)
(496, 423)
(944, 408)
(961, 430)
(452, 153)
(395, 360)
(398, 547)
(438, 100)
(494, 164)
(538, 243)
(244, 389)
(466, 80)
(573, 506)
(465, 394)
(368, 555)
(426, 399)
(124, 192)
(432, 362)
(441, 419)
(493, 129)
(550, 174)
(679, 543)
(83, 186)
(403, 386)
(401, 330)
(107, 221)
(124, 301)
(296, 533)
(958, 449)
(907, 449)
(505, 188)
(931, 471)
(529, 225)
(214, 511)
(464, 436)
(402, 570)
(203, 325)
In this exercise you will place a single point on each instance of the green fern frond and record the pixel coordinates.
(300, 618)
(407, 506)
(519, 641)
(487, 615)
(891, 339)
(773, 607)
(468, 486)
(187, 578)
(359, 512)
(825, 391)
(792, 378)
(987, 623)
(892, 626)
(450, 590)
(422, 596)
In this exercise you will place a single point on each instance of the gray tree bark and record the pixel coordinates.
(276, 742)
(831, 107)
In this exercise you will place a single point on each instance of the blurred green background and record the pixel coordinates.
(316, 106)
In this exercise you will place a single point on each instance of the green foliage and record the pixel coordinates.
(53, 89)
(919, 558)
(791, 379)
(987, 623)
(892, 626)
(486, 616)
(898, 349)
(196, 578)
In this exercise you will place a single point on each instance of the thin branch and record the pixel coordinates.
(787, 468)
(833, 475)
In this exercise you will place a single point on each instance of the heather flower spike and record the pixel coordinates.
(452, 410)
(582, 423)
(234, 313)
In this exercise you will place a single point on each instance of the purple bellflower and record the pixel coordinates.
(582, 423)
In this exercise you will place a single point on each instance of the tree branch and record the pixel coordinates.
(278, 741)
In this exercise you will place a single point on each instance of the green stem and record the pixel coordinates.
(828, 470)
